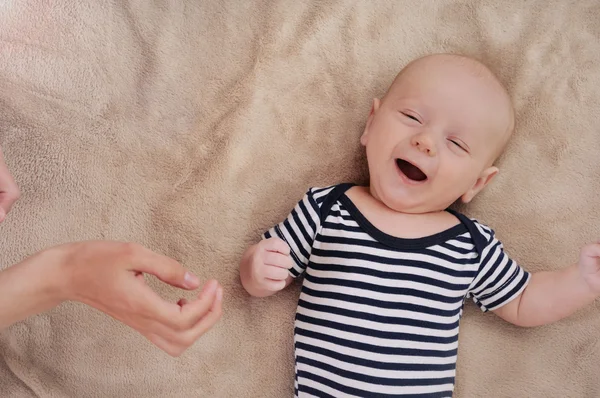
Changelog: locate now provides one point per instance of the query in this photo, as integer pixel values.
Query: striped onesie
(378, 316)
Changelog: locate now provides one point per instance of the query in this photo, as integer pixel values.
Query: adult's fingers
(7, 200)
(164, 268)
(148, 304)
(9, 191)
(192, 312)
(206, 322)
(170, 348)
(173, 316)
(175, 343)
(591, 250)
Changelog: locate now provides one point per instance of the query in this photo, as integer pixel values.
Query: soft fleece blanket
(192, 126)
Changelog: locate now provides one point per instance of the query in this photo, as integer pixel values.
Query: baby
(387, 267)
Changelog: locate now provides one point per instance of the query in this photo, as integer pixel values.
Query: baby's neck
(398, 224)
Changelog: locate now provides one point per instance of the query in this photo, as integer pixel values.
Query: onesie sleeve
(499, 278)
(300, 228)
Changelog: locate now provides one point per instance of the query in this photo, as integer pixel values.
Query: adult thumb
(179, 277)
(166, 269)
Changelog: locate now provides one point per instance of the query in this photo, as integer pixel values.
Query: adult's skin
(108, 276)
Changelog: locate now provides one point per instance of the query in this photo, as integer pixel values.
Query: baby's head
(433, 138)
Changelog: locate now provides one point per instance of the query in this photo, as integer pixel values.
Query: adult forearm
(29, 288)
(551, 296)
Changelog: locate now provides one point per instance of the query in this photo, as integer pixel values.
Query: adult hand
(9, 191)
(589, 266)
(109, 276)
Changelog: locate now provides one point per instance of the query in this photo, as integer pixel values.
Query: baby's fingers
(274, 286)
(277, 245)
(276, 273)
(278, 260)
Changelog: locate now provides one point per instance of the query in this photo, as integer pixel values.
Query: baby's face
(434, 136)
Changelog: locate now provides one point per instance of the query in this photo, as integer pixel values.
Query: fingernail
(208, 289)
(220, 294)
(211, 286)
(190, 280)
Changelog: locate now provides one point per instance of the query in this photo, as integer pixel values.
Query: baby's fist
(269, 265)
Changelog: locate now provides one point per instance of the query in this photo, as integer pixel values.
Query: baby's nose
(424, 145)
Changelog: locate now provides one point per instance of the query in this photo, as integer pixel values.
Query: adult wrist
(57, 275)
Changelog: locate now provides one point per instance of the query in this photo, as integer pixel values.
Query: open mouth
(411, 171)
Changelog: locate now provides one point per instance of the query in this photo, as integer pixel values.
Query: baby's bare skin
(447, 116)
(430, 141)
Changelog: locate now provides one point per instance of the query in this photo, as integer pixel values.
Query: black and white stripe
(377, 315)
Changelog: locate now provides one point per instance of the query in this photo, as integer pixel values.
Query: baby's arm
(551, 296)
(272, 264)
(264, 268)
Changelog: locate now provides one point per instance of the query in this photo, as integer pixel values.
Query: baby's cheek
(455, 180)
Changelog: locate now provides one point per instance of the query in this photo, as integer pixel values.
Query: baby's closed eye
(411, 116)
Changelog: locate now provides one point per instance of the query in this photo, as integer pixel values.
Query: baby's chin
(400, 196)
(412, 203)
(418, 208)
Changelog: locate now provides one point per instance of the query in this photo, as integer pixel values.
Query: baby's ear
(484, 179)
(365, 135)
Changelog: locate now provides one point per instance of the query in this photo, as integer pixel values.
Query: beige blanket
(191, 126)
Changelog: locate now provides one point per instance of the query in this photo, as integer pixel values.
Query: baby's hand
(589, 266)
(269, 264)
